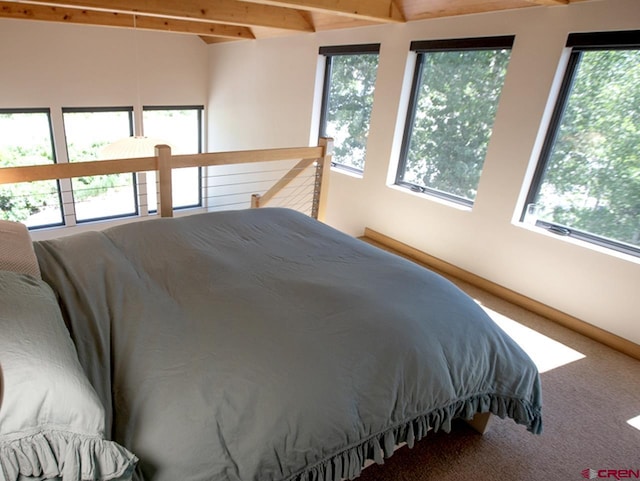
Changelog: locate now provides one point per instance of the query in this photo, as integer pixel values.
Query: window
(587, 182)
(181, 128)
(349, 83)
(454, 98)
(87, 131)
(26, 138)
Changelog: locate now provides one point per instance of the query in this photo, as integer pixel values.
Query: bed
(252, 345)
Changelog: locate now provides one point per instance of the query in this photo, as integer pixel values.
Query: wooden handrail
(245, 156)
(32, 173)
(164, 162)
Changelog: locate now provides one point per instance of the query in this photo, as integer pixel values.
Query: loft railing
(317, 158)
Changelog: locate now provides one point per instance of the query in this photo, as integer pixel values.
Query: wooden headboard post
(163, 153)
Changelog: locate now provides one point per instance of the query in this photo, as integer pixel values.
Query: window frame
(200, 114)
(47, 112)
(329, 52)
(579, 43)
(130, 112)
(420, 48)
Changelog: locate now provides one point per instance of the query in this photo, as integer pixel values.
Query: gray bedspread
(264, 345)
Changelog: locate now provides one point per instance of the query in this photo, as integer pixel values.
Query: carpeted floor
(588, 401)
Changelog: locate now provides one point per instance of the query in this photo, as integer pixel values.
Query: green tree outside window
(455, 98)
(592, 177)
(347, 106)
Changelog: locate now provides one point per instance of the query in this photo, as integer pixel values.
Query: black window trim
(329, 52)
(604, 40)
(200, 111)
(579, 43)
(364, 48)
(47, 111)
(420, 47)
(456, 44)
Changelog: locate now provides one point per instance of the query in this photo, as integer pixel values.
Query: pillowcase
(51, 420)
(16, 249)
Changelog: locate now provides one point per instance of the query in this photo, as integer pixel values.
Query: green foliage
(86, 188)
(592, 181)
(19, 201)
(353, 79)
(456, 105)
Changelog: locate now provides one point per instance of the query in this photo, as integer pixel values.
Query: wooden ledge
(597, 334)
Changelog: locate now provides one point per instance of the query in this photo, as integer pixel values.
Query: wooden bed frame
(318, 157)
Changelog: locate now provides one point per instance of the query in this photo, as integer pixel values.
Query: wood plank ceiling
(232, 20)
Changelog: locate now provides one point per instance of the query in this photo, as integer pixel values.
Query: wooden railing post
(323, 170)
(165, 204)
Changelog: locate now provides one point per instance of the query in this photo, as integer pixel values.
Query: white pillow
(16, 249)
(51, 420)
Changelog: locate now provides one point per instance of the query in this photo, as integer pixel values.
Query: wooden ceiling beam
(550, 2)
(374, 10)
(230, 12)
(212, 40)
(89, 17)
(203, 29)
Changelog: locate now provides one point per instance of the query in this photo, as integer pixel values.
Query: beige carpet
(588, 401)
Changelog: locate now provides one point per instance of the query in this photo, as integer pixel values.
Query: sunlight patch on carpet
(546, 353)
(635, 422)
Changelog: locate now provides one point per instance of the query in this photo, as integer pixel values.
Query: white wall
(57, 65)
(264, 94)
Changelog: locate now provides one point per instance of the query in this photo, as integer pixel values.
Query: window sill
(54, 232)
(431, 197)
(578, 242)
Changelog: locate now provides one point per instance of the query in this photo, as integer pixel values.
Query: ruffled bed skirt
(348, 463)
(70, 456)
